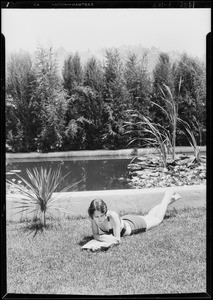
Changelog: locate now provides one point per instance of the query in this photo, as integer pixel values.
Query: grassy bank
(170, 258)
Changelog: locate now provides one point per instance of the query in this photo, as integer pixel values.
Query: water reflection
(101, 174)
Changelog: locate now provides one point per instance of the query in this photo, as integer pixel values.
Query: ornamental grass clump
(192, 140)
(39, 193)
(171, 112)
(159, 139)
(157, 136)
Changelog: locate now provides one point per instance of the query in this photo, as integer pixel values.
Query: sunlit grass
(170, 258)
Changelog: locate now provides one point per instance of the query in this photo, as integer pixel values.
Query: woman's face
(99, 217)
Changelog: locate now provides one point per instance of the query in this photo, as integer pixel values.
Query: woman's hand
(94, 248)
(108, 239)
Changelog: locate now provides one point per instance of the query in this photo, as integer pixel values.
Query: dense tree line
(87, 106)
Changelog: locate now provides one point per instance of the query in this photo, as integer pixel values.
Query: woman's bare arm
(102, 237)
(116, 225)
(95, 231)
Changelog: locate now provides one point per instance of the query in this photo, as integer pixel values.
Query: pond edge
(97, 153)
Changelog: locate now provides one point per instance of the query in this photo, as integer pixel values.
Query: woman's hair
(97, 204)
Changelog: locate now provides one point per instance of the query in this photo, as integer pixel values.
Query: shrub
(38, 193)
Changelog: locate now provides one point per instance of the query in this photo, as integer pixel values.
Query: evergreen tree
(116, 99)
(138, 84)
(163, 73)
(93, 75)
(72, 73)
(192, 102)
(49, 101)
(163, 76)
(85, 120)
(19, 114)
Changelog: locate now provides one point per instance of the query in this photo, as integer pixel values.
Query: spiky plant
(191, 138)
(170, 110)
(38, 192)
(172, 113)
(159, 139)
(158, 136)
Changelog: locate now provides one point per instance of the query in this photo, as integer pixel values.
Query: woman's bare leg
(157, 213)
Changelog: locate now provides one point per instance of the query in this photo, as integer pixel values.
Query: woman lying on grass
(108, 226)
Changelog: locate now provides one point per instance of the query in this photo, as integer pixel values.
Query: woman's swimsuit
(110, 231)
(137, 223)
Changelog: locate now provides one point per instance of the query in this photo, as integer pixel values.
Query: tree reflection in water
(107, 174)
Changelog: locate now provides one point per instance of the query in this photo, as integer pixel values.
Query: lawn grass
(170, 258)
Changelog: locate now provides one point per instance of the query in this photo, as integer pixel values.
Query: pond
(98, 174)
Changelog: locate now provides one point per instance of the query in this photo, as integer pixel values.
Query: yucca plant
(38, 192)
